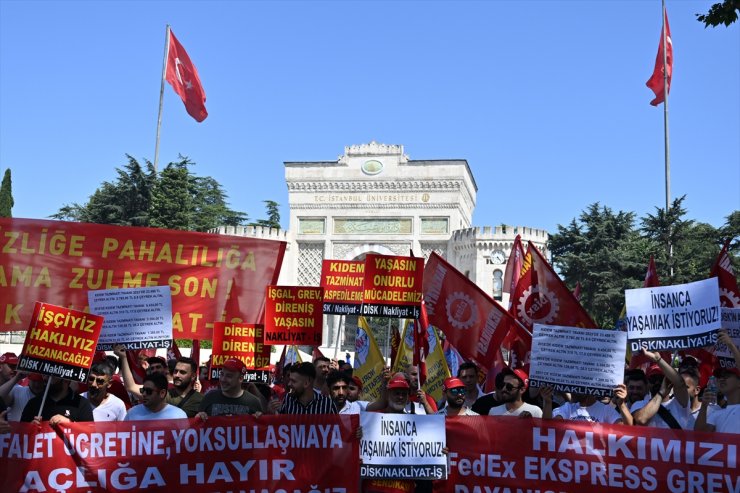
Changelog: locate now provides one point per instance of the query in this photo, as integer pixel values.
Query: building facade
(374, 199)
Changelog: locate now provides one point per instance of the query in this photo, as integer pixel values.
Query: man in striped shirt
(302, 398)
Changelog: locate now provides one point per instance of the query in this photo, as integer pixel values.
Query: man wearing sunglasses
(454, 393)
(154, 396)
(106, 406)
(511, 393)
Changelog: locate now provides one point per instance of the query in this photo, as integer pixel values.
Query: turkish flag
(655, 82)
(183, 77)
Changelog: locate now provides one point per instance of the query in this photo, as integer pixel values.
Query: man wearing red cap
(511, 393)
(231, 399)
(8, 362)
(454, 393)
(354, 389)
(16, 396)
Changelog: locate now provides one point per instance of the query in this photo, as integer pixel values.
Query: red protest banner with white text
(580, 457)
(296, 454)
(60, 342)
(245, 342)
(392, 286)
(342, 283)
(211, 277)
(293, 315)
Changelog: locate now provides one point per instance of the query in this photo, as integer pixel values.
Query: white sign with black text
(139, 318)
(581, 361)
(403, 446)
(731, 323)
(668, 318)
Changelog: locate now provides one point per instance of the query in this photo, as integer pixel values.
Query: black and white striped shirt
(320, 404)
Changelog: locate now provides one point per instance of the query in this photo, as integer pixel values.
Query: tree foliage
(175, 198)
(273, 215)
(720, 13)
(6, 195)
(607, 253)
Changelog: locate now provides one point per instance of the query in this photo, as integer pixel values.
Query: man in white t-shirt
(727, 419)
(17, 396)
(588, 408)
(511, 393)
(106, 407)
(154, 395)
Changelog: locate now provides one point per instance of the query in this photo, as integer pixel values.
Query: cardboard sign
(581, 361)
(139, 318)
(392, 286)
(342, 283)
(731, 323)
(293, 315)
(244, 342)
(212, 277)
(667, 318)
(60, 342)
(403, 446)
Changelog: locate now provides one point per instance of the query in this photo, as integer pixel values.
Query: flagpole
(665, 136)
(161, 94)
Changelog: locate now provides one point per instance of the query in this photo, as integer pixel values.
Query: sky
(546, 100)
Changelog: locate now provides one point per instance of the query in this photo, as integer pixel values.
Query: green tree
(720, 13)
(604, 252)
(209, 206)
(172, 198)
(273, 215)
(6, 196)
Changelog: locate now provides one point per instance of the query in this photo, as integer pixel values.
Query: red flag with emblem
(729, 294)
(421, 344)
(514, 266)
(183, 77)
(656, 81)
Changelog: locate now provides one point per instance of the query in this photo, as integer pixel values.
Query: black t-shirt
(72, 406)
(484, 404)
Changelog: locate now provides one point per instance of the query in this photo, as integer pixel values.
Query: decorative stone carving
(310, 256)
(438, 248)
(372, 149)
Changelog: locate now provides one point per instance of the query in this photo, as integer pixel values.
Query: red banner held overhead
(392, 286)
(60, 342)
(272, 453)
(293, 315)
(208, 274)
(342, 283)
(472, 321)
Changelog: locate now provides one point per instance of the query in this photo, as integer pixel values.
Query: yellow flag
(369, 362)
(437, 369)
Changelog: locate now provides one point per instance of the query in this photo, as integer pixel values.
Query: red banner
(510, 454)
(273, 453)
(211, 277)
(60, 342)
(392, 286)
(342, 283)
(473, 323)
(245, 342)
(294, 315)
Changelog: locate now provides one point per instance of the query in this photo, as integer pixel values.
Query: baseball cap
(35, 377)
(398, 383)
(654, 370)
(233, 364)
(453, 383)
(518, 373)
(718, 372)
(157, 359)
(9, 359)
(357, 381)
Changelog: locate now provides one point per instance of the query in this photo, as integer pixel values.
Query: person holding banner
(154, 395)
(454, 393)
(183, 393)
(231, 399)
(354, 389)
(587, 408)
(727, 419)
(511, 393)
(302, 398)
(338, 383)
(16, 396)
(61, 405)
(106, 406)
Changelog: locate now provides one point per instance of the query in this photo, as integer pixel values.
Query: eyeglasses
(99, 380)
(147, 390)
(508, 387)
(457, 391)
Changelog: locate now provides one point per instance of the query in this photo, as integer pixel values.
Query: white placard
(572, 359)
(139, 318)
(403, 446)
(667, 318)
(731, 323)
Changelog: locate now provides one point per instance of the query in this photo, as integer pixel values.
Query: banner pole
(161, 95)
(43, 399)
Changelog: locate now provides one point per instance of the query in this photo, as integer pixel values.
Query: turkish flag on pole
(183, 77)
(656, 82)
